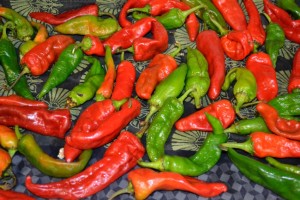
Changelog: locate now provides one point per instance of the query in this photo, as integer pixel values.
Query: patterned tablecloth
(239, 187)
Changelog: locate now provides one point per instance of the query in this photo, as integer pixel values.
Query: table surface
(239, 187)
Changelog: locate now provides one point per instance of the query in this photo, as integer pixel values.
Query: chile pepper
(286, 104)
(5, 161)
(48, 165)
(143, 182)
(15, 100)
(294, 80)
(202, 161)
(209, 44)
(197, 75)
(232, 13)
(291, 6)
(67, 61)
(286, 167)
(120, 157)
(192, 25)
(247, 126)
(11, 67)
(275, 39)
(13, 195)
(87, 90)
(222, 109)
(89, 120)
(262, 144)
(40, 120)
(157, 70)
(104, 132)
(23, 27)
(106, 88)
(245, 87)
(285, 184)
(260, 64)
(8, 139)
(277, 125)
(52, 19)
(92, 45)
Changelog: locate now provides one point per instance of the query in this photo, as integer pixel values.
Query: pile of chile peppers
(273, 134)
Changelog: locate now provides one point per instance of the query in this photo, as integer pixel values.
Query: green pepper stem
(25, 70)
(241, 99)
(250, 104)
(176, 51)
(184, 96)
(246, 146)
(5, 27)
(128, 190)
(285, 167)
(146, 9)
(190, 11)
(118, 104)
(218, 25)
(158, 164)
(267, 16)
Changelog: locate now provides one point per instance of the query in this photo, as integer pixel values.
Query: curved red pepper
(105, 132)
(92, 45)
(65, 16)
(209, 43)
(260, 64)
(192, 26)
(222, 109)
(294, 81)
(15, 100)
(121, 156)
(13, 195)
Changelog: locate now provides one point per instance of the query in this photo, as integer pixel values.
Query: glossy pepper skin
(52, 19)
(87, 90)
(66, 63)
(260, 64)
(248, 126)
(120, 157)
(5, 161)
(8, 139)
(104, 132)
(294, 80)
(245, 87)
(23, 27)
(277, 125)
(16, 100)
(209, 44)
(262, 144)
(222, 110)
(291, 6)
(197, 75)
(286, 104)
(285, 184)
(48, 165)
(92, 45)
(13, 195)
(11, 67)
(232, 13)
(143, 182)
(286, 167)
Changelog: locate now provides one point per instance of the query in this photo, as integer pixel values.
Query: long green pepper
(291, 6)
(197, 75)
(87, 90)
(287, 105)
(11, 67)
(68, 60)
(248, 126)
(286, 167)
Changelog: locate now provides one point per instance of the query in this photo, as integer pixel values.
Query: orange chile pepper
(8, 138)
(277, 125)
(5, 161)
(145, 181)
(294, 81)
(13, 195)
(260, 64)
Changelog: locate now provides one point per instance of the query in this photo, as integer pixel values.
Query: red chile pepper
(237, 44)
(124, 81)
(13, 195)
(232, 13)
(192, 26)
(144, 181)
(40, 120)
(65, 16)
(294, 81)
(120, 157)
(157, 70)
(15, 100)
(124, 38)
(260, 64)
(92, 45)
(8, 139)
(222, 109)
(105, 132)
(277, 125)
(208, 43)
(262, 144)
(5, 161)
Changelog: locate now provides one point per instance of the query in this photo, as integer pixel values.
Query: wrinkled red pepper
(209, 43)
(121, 156)
(105, 132)
(65, 16)
(222, 109)
(260, 64)
(92, 45)
(277, 125)
(13, 195)
(294, 81)
(16, 100)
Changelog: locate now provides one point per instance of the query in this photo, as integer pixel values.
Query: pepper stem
(246, 146)
(146, 9)
(241, 99)
(176, 51)
(184, 96)
(190, 11)
(129, 189)
(23, 72)
(231, 129)
(218, 25)
(267, 16)
(5, 27)
(118, 104)
(158, 164)
(145, 123)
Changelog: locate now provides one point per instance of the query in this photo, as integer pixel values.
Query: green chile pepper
(285, 184)
(68, 60)
(87, 90)
(286, 167)
(291, 6)
(47, 164)
(89, 25)
(197, 75)
(287, 104)
(11, 67)
(245, 87)
(248, 126)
